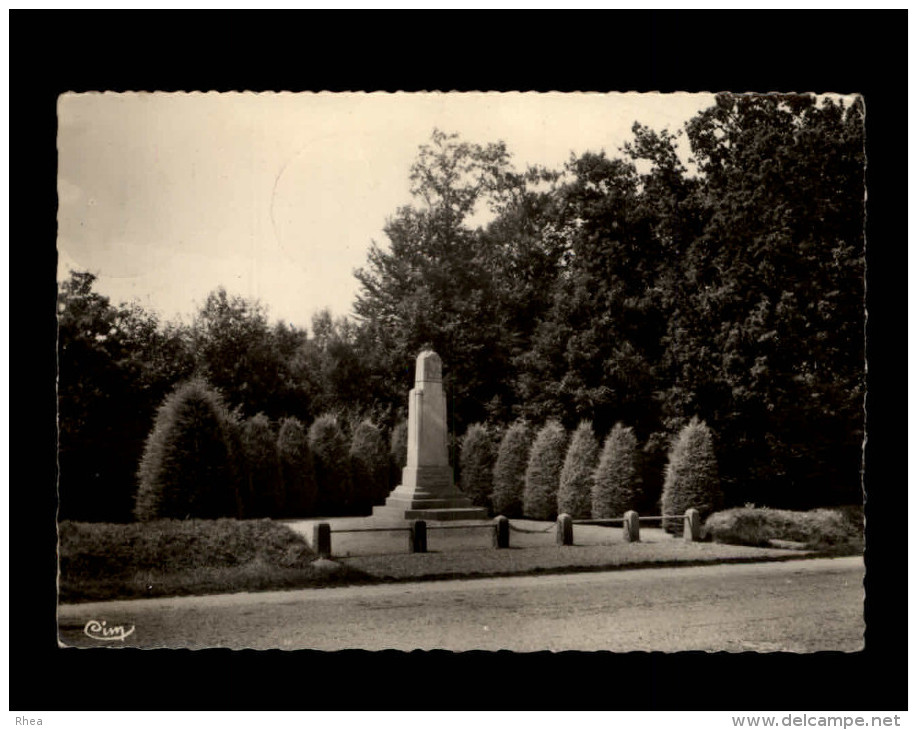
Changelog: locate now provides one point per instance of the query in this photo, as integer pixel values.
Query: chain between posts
(532, 532)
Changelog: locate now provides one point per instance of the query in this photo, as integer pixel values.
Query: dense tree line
(642, 288)
(635, 289)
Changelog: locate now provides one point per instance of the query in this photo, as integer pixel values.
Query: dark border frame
(844, 52)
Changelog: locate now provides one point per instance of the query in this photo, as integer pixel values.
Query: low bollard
(501, 532)
(631, 526)
(418, 536)
(321, 539)
(564, 529)
(692, 525)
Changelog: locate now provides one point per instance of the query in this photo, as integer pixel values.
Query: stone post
(564, 529)
(321, 539)
(631, 526)
(501, 532)
(418, 536)
(692, 525)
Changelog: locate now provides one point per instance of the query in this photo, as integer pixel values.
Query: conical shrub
(542, 475)
(331, 459)
(186, 469)
(574, 495)
(297, 468)
(369, 464)
(263, 494)
(691, 476)
(476, 465)
(509, 470)
(616, 484)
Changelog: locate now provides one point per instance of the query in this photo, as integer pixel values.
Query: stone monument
(427, 491)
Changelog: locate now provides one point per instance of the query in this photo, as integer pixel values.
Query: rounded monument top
(429, 367)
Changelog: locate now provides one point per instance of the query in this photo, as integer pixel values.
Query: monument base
(427, 493)
(439, 514)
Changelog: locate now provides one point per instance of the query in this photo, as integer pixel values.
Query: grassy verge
(554, 559)
(832, 530)
(100, 561)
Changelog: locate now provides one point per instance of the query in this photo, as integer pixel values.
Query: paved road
(797, 606)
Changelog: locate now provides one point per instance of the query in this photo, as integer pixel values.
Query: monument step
(432, 515)
(403, 491)
(421, 503)
(444, 515)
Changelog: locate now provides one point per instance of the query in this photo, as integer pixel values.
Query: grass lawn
(483, 562)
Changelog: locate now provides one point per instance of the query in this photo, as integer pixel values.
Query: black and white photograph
(462, 371)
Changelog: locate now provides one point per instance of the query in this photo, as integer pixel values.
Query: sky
(278, 197)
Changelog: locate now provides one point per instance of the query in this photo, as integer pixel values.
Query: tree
(331, 458)
(476, 465)
(369, 459)
(115, 366)
(90, 389)
(521, 249)
(432, 285)
(593, 353)
(335, 364)
(542, 474)
(617, 479)
(264, 494)
(186, 469)
(509, 470)
(296, 467)
(692, 478)
(766, 336)
(251, 363)
(574, 495)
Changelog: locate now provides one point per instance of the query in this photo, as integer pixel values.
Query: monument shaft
(427, 432)
(427, 490)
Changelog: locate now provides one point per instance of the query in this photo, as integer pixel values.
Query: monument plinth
(427, 491)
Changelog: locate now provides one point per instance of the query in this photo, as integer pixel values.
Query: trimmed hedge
(103, 562)
(757, 526)
(89, 549)
(297, 468)
(509, 470)
(691, 476)
(476, 465)
(574, 495)
(187, 466)
(369, 463)
(263, 493)
(616, 487)
(542, 475)
(331, 459)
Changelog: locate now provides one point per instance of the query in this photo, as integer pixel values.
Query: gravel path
(799, 606)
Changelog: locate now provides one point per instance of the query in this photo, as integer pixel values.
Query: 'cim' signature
(101, 631)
